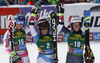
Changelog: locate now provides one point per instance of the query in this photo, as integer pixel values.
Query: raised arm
(60, 22)
(34, 18)
(65, 30)
(34, 33)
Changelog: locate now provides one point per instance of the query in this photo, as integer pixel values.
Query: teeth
(44, 31)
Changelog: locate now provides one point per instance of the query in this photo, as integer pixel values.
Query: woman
(19, 54)
(43, 41)
(76, 41)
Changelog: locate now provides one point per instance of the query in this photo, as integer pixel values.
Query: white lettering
(4, 22)
(45, 14)
(29, 16)
(97, 36)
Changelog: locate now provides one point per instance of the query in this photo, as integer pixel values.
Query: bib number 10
(77, 44)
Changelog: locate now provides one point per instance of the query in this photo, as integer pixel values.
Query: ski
(10, 29)
(89, 58)
(53, 18)
(87, 26)
(11, 33)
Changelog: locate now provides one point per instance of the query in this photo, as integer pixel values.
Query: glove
(89, 58)
(60, 13)
(35, 10)
(14, 57)
(32, 22)
(60, 9)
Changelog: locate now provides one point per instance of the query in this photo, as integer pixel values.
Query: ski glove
(15, 57)
(32, 22)
(35, 9)
(89, 58)
(60, 9)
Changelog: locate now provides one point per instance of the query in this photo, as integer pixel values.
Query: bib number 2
(48, 45)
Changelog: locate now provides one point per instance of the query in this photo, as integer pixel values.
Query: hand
(60, 8)
(15, 57)
(89, 58)
(60, 14)
(32, 22)
(36, 8)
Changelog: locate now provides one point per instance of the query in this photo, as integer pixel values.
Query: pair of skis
(53, 18)
(87, 45)
(11, 34)
(89, 57)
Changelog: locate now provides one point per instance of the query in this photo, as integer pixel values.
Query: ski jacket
(44, 43)
(19, 42)
(76, 41)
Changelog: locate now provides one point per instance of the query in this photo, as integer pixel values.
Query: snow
(62, 52)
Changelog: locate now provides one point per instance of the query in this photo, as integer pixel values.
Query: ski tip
(84, 12)
(87, 12)
(52, 15)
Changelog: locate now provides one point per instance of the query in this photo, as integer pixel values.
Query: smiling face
(44, 32)
(19, 26)
(76, 26)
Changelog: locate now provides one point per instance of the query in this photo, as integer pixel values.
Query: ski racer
(42, 37)
(76, 42)
(43, 40)
(19, 53)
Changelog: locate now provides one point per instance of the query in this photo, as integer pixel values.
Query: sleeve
(34, 34)
(65, 30)
(26, 29)
(59, 28)
(6, 42)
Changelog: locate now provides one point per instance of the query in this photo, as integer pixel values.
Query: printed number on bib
(21, 42)
(77, 44)
(48, 45)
